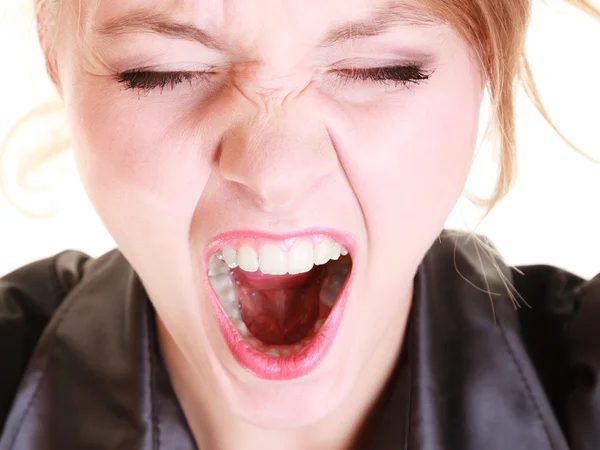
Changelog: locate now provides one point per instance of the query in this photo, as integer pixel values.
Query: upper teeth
(273, 260)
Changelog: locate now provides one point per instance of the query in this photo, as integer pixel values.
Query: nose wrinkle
(274, 93)
(278, 157)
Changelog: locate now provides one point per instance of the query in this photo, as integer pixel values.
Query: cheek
(142, 162)
(408, 158)
(420, 149)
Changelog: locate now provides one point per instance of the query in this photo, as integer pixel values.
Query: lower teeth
(227, 291)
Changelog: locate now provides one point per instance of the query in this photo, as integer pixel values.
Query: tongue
(280, 316)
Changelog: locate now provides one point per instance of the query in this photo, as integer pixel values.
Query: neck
(213, 426)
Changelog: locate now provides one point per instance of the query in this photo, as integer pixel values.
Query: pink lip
(256, 362)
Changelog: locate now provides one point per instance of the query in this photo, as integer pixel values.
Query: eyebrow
(147, 20)
(383, 19)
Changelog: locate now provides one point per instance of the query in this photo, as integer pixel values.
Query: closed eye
(146, 80)
(405, 75)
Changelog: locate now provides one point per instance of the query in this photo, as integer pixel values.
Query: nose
(277, 156)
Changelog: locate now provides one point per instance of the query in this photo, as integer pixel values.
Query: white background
(551, 216)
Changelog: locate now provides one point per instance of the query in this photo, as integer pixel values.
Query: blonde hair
(496, 31)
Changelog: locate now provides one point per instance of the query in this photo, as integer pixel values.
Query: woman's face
(267, 127)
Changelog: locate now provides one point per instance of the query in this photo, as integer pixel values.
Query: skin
(271, 144)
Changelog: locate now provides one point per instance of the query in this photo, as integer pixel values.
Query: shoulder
(561, 330)
(549, 302)
(544, 288)
(555, 319)
(557, 303)
(29, 297)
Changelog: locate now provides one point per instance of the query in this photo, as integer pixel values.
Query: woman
(277, 176)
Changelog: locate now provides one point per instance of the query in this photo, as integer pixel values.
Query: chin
(287, 405)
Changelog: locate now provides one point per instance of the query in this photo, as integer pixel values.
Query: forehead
(220, 10)
(265, 17)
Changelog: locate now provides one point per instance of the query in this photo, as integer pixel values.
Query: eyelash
(147, 81)
(404, 75)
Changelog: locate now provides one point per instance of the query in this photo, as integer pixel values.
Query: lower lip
(282, 368)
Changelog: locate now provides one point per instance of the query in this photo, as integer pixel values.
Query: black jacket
(80, 367)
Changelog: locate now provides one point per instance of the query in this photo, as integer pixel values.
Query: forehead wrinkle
(162, 20)
(157, 22)
(106, 11)
(383, 18)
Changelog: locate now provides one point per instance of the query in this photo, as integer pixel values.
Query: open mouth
(279, 296)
